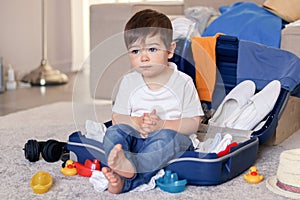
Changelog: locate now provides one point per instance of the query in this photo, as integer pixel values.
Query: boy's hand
(138, 124)
(151, 122)
(142, 124)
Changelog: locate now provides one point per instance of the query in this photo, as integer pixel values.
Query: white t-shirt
(175, 100)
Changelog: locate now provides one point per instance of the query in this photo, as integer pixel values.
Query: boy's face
(150, 57)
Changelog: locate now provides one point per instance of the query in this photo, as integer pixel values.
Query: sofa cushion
(290, 37)
(288, 10)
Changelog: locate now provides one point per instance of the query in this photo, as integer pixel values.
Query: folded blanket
(247, 21)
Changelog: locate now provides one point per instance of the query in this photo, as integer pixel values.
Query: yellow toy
(253, 176)
(69, 169)
(41, 182)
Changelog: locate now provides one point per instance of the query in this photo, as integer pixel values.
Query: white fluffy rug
(58, 121)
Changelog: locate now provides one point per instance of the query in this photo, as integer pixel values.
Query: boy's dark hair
(148, 22)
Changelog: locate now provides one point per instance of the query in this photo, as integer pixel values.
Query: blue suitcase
(202, 168)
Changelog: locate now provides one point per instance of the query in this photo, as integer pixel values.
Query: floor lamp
(45, 74)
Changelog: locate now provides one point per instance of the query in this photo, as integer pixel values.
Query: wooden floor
(29, 97)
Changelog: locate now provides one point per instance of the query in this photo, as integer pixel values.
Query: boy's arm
(186, 126)
(134, 122)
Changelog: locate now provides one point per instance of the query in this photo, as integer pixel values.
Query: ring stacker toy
(69, 169)
(88, 167)
(170, 183)
(41, 182)
(253, 176)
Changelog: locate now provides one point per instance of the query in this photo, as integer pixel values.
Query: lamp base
(45, 75)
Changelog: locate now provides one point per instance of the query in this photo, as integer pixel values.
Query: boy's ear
(171, 50)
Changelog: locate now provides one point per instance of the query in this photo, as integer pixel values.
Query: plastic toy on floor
(69, 168)
(170, 183)
(253, 176)
(88, 167)
(41, 182)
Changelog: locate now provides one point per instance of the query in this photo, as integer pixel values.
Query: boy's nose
(144, 56)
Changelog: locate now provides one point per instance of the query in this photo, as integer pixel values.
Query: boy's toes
(105, 170)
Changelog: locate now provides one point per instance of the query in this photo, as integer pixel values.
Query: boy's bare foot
(115, 183)
(118, 162)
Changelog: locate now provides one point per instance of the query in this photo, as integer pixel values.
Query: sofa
(108, 59)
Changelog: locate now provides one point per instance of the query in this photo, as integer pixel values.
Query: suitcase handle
(227, 165)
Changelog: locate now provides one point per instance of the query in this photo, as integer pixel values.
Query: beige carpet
(58, 120)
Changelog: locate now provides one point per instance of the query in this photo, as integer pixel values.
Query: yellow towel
(204, 54)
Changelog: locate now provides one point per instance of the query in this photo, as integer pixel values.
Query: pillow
(288, 10)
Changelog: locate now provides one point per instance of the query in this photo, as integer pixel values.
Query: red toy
(88, 167)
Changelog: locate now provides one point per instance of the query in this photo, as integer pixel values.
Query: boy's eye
(138, 51)
(134, 51)
(153, 49)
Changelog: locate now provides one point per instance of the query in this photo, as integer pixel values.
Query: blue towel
(263, 64)
(247, 21)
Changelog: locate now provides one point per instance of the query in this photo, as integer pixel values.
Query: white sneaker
(233, 102)
(257, 108)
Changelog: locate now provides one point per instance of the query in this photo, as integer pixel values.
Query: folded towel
(151, 185)
(201, 15)
(182, 28)
(204, 54)
(100, 182)
(95, 130)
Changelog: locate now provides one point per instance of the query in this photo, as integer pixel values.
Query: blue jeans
(148, 155)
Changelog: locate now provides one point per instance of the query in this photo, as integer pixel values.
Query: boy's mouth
(145, 67)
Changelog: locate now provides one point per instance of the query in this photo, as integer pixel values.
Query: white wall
(80, 33)
(20, 34)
